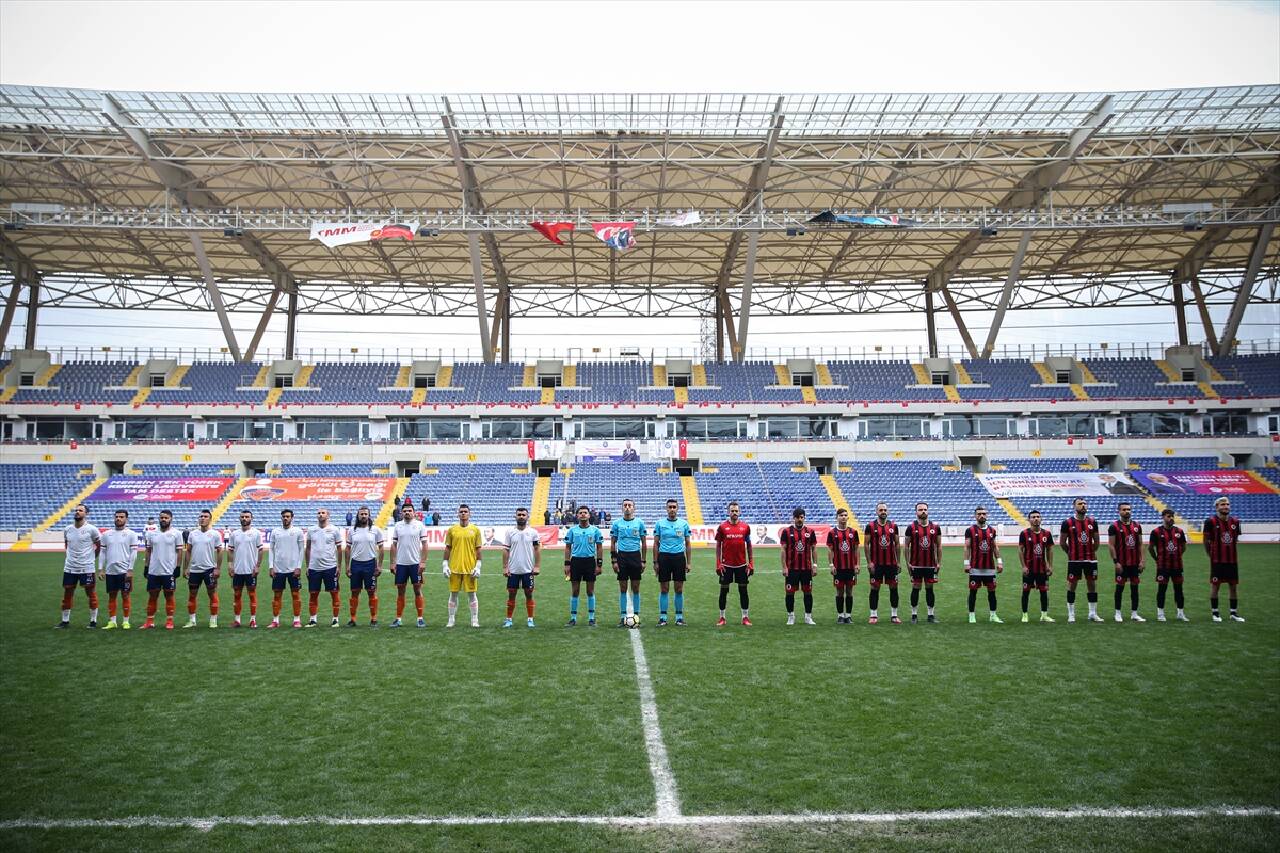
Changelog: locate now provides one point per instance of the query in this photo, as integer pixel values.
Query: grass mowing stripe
(665, 793)
(940, 815)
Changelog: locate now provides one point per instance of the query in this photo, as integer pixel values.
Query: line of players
(326, 550)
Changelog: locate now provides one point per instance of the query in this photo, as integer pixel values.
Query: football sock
(724, 598)
(991, 599)
(1133, 596)
(662, 604)
(253, 603)
(1093, 603)
(453, 605)
(875, 597)
(335, 601)
(373, 606)
(915, 598)
(928, 597)
(679, 604)
(191, 604)
(893, 597)
(474, 606)
(297, 603)
(213, 604)
(418, 603)
(1119, 595)
(1235, 605)
(1026, 598)
(743, 599)
(66, 614)
(528, 607)
(353, 603)
(1161, 592)
(573, 606)
(1071, 596)
(622, 603)
(973, 599)
(235, 606)
(635, 603)
(93, 614)
(111, 605)
(276, 597)
(591, 607)
(808, 602)
(313, 603)
(1177, 595)
(400, 603)
(168, 603)
(791, 602)
(151, 603)
(839, 603)
(1213, 605)
(511, 606)
(126, 604)
(1044, 601)
(68, 596)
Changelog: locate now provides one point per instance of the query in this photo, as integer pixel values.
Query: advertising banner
(609, 450)
(1217, 482)
(334, 234)
(370, 490)
(208, 489)
(1063, 485)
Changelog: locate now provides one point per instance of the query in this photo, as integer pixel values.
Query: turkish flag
(551, 230)
(684, 448)
(529, 446)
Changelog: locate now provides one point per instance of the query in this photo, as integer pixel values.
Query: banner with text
(370, 490)
(1218, 482)
(609, 450)
(1063, 484)
(209, 489)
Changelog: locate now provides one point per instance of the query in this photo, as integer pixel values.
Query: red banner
(372, 490)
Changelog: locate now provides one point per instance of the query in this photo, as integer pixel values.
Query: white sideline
(675, 820)
(664, 783)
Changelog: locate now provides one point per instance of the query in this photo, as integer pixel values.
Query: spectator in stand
(350, 518)
(546, 518)
(426, 503)
(435, 518)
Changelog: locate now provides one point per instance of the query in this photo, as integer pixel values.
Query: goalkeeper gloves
(475, 573)
(445, 568)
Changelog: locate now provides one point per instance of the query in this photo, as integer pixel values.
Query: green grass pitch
(766, 720)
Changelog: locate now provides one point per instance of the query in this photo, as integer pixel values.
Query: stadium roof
(168, 200)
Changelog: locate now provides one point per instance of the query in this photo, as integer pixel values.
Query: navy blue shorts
(328, 578)
(76, 579)
(582, 569)
(408, 574)
(278, 581)
(198, 579)
(363, 575)
(520, 581)
(165, 582)
(119, 583)
(242, 581)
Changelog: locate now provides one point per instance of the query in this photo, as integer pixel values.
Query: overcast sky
(651, 47)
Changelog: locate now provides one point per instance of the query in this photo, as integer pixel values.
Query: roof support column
(1210, 337)
(719, 314)
(33, 305)
(1180, 311)
(261, 329)
(744, 310)
(1006, 295)
(215, 295)
(291, 325)
(959, 321)
(1228, 339)
(10, 308)
(477, 275)
(931, 327)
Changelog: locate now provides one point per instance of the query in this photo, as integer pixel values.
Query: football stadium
(724, 593)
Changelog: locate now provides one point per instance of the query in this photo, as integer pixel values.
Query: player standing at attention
(165, 551)
(882, 552)
(409, 545)
(1168, 544)
(842, 548)
(735, 562)
(325, 547)
(244, 553)
(521, 562)
(583, 561)
(1124, 540)
(1035, 552)
(284, 566)
(364, 564)
(83, 543)
(628, 552)
(671, 538)
(1079, 538)
(204, 565)
(982, 561)
(462, 544)
(1221, 536)
(924, 560)
(797, 545)
(118, 554)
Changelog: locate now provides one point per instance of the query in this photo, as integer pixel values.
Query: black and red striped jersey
(922, 539)
(1128, 541)
(1221, 537)
(844, 548)
(798, 545)
(1036, 546)
(1080, 538)
(982, 551)
(1169, 543)
(882, 543)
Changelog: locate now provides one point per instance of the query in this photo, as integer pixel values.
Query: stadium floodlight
(988, 231)
(232, 232)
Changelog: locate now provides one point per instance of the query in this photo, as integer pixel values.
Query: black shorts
(242, 581)
(798, 580)
(672, 567)
(975, 581)
(1077, 569)
(328, 578)
(923, 574)
(75, 579)
(278, 581)
(1224, 572)
(1127, 573)
(198, 579)
(884, 574)
(524, 581)
(1035, 580)
(119, 583)
(846, 577)
(734, 574)
(164, 582)
(582, 569)
(628, 566)
(1166, 575)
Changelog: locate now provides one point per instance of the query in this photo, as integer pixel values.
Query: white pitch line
(654, 821)
(664, 783)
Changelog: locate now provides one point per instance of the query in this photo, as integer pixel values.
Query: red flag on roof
(551, 230)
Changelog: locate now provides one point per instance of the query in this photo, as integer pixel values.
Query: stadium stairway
(808, 394)
(699, 377)
(444, 379)
(570, 375)
(838, 499)
(692, 503)
(174, 380)
(783, 374)
(24, 543)
(962, 375)
(1086, 373)
(541, 499)
(403, 376)
(303, 378)
(273, 397)
(1167, 369)
(1207, 390)
(1160, 506)
(531, 376)
(45, 375)
(1078, 390)
(134, 377)
(824, 375)
(1013, 511)
(922, 375)
(548, 396)
(220, 508)
(140, 397)
(659, 375)
(260, 381)
(389, 505)
(953, 396)
(419, 396)
(1046, 377)
(8, 394)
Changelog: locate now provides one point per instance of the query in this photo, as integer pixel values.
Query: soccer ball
(631, 621)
